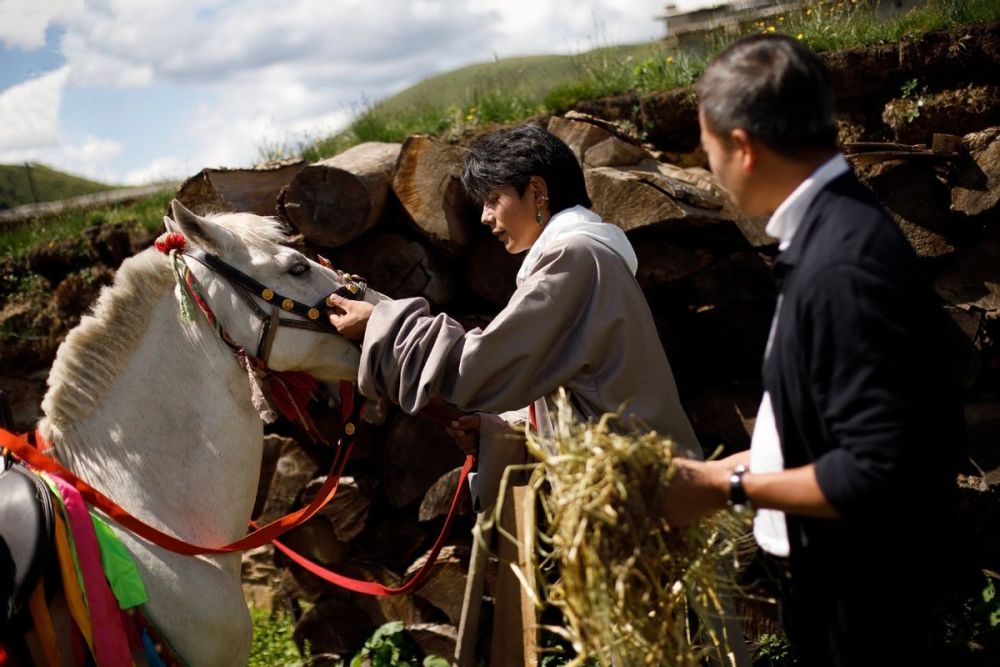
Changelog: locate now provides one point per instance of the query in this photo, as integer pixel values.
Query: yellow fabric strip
(43, 626)
(71, 585)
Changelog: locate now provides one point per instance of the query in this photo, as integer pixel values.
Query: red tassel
(170, 241)
(291, 391)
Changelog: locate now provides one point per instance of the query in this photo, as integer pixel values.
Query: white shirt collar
(788, 217)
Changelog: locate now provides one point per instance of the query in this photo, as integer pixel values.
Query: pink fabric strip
(110, 640)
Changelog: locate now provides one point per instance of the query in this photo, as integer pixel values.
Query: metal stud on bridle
(249, 289)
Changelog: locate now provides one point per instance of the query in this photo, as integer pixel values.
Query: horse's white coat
(155, 411)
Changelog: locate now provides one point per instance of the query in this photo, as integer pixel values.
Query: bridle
(249, 289)
(354, 288)
(289, 391)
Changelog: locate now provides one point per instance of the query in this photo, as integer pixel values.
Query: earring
(539, 200)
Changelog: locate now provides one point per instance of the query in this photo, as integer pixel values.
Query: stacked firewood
(397, 214)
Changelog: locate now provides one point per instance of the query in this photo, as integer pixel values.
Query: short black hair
(775, 89)
(513, 156)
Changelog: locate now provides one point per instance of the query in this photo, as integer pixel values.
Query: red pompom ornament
(170, 241)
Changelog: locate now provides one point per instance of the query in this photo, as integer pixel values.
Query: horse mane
(97, 350)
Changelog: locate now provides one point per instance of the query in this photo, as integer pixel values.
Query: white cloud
(23, 22)
(91, 157)
(278, 72)
(29, 112)
(91, 150)
(160, 169)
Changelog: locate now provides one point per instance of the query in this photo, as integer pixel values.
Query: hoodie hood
(578, 221)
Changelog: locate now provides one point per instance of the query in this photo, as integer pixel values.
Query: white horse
(154, 410)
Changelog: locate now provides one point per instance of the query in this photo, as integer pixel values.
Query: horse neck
(176, 441)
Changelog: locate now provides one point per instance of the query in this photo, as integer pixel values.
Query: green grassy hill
(510, 90)
(492, 92)
(534, 76)
(49, 185)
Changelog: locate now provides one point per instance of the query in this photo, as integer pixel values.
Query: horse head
(289, 338)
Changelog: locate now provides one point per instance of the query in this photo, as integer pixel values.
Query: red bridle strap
(375, 588)
(25, 451)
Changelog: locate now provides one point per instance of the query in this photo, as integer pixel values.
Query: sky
(134, 91)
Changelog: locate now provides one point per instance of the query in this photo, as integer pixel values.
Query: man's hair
(513, 156)
(775, 89)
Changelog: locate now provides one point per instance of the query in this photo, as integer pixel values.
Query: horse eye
(299, 269)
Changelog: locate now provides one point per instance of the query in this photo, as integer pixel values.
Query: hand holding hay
(624, 579)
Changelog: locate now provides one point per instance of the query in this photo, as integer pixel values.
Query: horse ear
(197, 229)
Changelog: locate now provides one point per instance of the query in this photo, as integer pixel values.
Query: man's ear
(747, 149)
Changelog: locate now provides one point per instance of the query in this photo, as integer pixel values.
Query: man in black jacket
(858, 439)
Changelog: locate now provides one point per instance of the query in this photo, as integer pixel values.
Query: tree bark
(437, 500)
(445, 585)
(338, 199)
(382, 609)
(392, 542)
(492, 271)
(978, 192)
(428, 184)
(417, 453)
(613, 152)
(340, 639)
(577, 133)
(596, 142)
(637, 199)
(247, 190)
(292, 472)
(397, 267)
(661, 263)
(435, 638)
(347, 512)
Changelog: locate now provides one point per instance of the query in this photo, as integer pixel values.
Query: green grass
(16, 181)
(476, 96)
(390, 646)
(514, 89)
(842, 24)
(511, 90)
(142, 215)
(273, 645)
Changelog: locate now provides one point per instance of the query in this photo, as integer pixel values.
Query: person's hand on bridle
(349, 318)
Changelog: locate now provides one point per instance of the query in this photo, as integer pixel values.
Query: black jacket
(859, 384)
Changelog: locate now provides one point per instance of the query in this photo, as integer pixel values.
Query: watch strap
(737, 494)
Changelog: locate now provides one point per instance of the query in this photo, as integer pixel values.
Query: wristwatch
(738, 501)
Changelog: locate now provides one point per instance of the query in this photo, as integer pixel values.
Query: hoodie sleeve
(529, 350)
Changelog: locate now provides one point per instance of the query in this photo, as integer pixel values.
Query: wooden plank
(472, 603)
(514, 615)
(12, 217)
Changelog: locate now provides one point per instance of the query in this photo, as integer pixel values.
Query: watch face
(737, 494)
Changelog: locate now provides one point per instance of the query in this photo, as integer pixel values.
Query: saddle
(26, 531)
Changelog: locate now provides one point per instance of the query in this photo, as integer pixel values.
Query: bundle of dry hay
(624, 581)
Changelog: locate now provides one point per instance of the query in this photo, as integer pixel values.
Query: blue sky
(128, 91)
